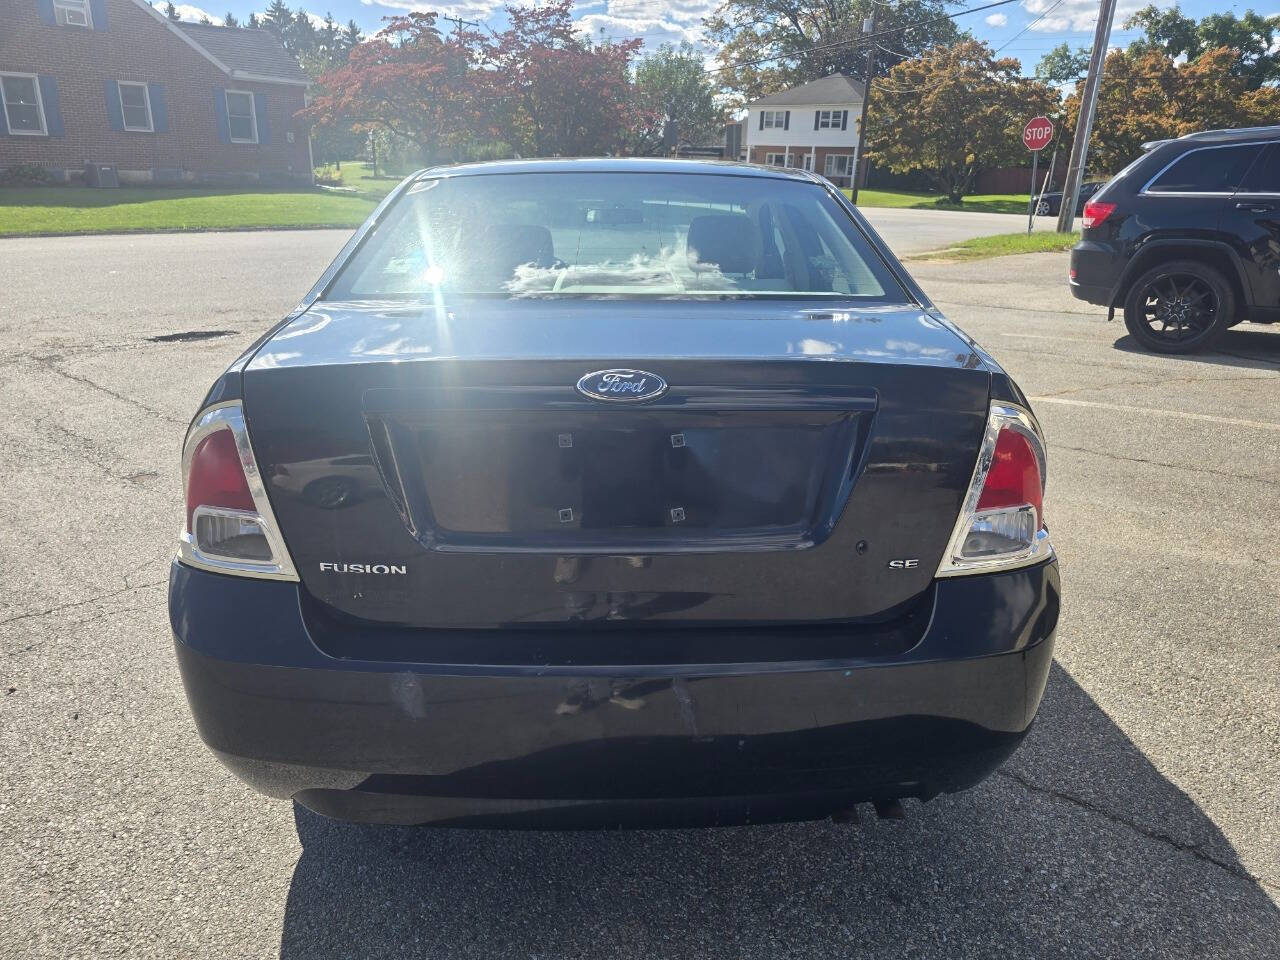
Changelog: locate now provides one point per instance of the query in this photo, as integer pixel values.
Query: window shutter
(159, 115)
(816, 115)
(98, 11)
(786, 120)
(761, 119)
(844, 119)
(52, 111)
(46, 13)
(260, 118)
(220, 112)
(115, 115)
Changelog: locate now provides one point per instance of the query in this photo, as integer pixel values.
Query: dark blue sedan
(613, 492)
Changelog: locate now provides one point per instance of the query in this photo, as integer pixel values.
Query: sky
(1025, 29)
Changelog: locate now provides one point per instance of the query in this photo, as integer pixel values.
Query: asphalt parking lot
(1140, 818)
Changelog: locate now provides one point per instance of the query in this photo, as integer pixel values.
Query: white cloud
(1080, 16)
(188, 12)
(681, 11)
(653, 31)
(654, 21)
(997, 20)
(477, 10)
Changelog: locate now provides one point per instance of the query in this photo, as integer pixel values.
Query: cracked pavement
(1139, 819)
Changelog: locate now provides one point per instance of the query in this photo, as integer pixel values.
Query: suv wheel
(1179, 307)
(1044, 208)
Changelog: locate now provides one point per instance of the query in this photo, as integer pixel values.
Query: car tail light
(1001, 525)
(1095, 213)
(229, 524)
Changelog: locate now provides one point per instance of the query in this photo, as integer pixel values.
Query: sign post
(1036, 135)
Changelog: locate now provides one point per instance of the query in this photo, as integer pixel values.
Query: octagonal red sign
(1037, 133)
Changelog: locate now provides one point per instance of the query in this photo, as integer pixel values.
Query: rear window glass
(616, 235)
(1211, 170)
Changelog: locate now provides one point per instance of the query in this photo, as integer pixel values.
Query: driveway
(1139, 819)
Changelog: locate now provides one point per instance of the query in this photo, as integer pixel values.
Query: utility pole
(860, 168)
(1088, 105)
(458, 22)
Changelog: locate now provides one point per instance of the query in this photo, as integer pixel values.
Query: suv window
(1207, 170)
(1265, 175)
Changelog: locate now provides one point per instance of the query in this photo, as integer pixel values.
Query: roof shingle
(837, 88)
(246, 49)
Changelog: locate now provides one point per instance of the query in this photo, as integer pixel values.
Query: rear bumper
(1095, 271)
(582, 746)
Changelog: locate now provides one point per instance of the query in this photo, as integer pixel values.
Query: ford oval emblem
(622, 385)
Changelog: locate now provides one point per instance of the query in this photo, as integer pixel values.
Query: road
(918, 231)
(1139, 819)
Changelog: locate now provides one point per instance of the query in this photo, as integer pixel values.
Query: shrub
(24, 175)
(328, 176)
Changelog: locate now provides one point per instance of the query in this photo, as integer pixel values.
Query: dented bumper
(559, 744)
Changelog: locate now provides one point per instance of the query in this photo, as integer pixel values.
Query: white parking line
(1229, 421)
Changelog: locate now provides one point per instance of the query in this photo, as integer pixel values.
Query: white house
(814, 126)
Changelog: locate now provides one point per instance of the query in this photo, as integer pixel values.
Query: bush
(25, 175)
(328, 176)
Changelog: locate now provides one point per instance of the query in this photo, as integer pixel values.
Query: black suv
(1186, 239)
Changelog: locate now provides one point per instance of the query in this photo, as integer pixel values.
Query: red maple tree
(538, 86)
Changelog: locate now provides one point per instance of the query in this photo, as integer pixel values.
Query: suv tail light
(229, 524)
(1095, 213)
(1001, 525)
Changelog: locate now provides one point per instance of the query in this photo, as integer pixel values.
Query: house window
(773, 119)
(838, 165)
(23, 109)
(775, 159)
(73, 13)
(242, 121)
(831, 119)
(135, 105)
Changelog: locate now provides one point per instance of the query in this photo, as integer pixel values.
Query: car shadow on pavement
(1251, 348)
(1077, 848)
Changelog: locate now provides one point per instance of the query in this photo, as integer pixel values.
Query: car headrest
(730, 241)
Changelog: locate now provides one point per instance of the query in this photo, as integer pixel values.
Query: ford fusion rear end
(601, 493)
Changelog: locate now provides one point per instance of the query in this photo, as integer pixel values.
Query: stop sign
(1037, 133)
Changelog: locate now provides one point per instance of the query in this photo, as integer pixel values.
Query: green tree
(672, 88)
(277, 18)
(1254, 37)
(954, 111)
(230, 20)
(1060, 65)
(171, 11)
(815, 38)
(1147, 95)
(351, 36)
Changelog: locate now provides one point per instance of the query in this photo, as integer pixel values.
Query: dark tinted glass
(616, 235)
(1264, 176)
(1209, 170)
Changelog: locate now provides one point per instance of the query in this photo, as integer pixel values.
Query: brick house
(814, 126)
(115, 82)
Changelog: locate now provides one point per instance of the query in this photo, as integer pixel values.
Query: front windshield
(619, 235)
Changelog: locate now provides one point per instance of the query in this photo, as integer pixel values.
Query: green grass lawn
(359, 175)
(1002, 245)
(46, 210)
(979, 202)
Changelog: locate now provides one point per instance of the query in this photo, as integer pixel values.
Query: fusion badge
(622, 385)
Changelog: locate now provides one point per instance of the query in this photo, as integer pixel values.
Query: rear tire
(1179, 307)
(1044, 208)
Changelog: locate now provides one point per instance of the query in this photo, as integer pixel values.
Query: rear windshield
(616, 235)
